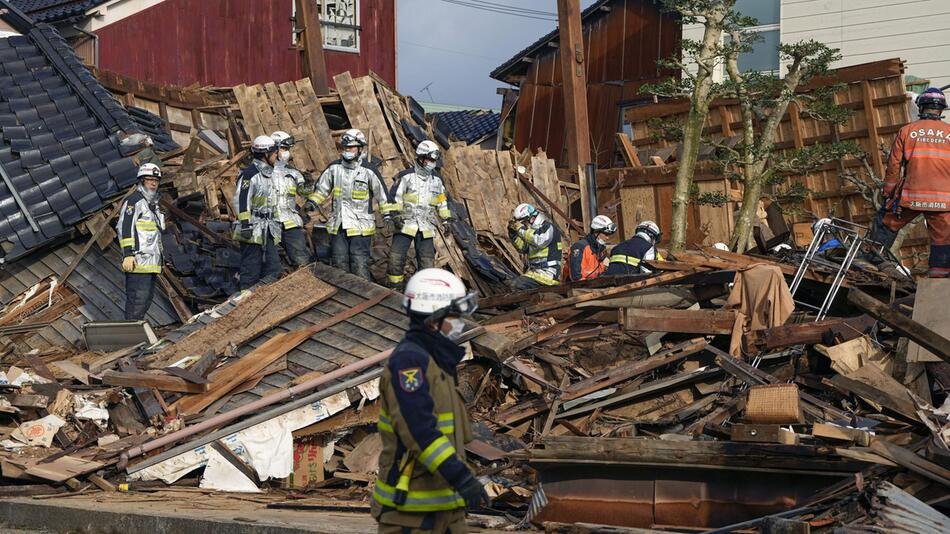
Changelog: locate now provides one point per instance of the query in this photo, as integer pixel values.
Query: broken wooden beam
(598, 294)
(713, 322)
(147, 380)
(924, 336)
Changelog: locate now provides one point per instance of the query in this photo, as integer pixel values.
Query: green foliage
(665, 130)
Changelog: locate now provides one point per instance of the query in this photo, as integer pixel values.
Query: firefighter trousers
(398, 252)
(447, 522)
(259, 261)
(351, 253)
(139, 290)
(294, 241)
(888, 223)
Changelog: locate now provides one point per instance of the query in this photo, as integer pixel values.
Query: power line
(521, 9)
(450, 51)
(503, 11)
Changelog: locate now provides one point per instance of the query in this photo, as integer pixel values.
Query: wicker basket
(774, 403)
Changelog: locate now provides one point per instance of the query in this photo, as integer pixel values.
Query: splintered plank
(313, 113)
(262, 103)
(277, 103)
(146, 380)
(254, 315)
(716, 322)
(252, 118)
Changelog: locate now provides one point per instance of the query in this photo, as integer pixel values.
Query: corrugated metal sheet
(98, 281)
(894, 511)
(230, 42)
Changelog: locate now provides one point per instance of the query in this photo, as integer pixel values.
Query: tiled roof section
(58, 142)
(502, 70)
(98, 281)
(55, 10)
(469, 126)
(153, 125)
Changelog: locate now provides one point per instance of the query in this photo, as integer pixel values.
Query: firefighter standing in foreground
(139, 230)
(257, 228)
(290, 184)
(917, 181)
(424, 482)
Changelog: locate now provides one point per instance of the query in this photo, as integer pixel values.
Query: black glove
(389, 223)
(310, 206)
(247, 232)
(474, 493)
(447, 224)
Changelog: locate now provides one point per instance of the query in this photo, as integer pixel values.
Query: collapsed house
(702, 396)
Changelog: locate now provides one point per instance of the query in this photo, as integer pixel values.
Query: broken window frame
(328, 27)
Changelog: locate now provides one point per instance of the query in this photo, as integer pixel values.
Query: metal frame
(851, 236)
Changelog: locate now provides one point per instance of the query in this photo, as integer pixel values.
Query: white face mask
(456, 327)
(284, 156)
(429, 166)
(602, 242)
(350, 156)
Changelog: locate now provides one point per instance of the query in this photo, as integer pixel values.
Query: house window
(765, 56)
(339, 23)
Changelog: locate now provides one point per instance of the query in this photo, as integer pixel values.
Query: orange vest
(922, 150)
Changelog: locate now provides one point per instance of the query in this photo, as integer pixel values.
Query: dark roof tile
(470, 125)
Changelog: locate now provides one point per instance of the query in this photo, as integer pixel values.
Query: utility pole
(574, 74)
(312, 61)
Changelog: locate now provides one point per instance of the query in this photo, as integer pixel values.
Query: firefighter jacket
(140, 228)
(354, 187)
(922, 151)
(290, 184)
(418, 196)
(424, 426)
(256, 201)
(541, 241)
(626, 257)
(586, 259)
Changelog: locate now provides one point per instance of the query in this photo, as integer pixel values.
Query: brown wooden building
(623, 39)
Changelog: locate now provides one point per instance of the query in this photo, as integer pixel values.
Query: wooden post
(312, 62)
(574, 73)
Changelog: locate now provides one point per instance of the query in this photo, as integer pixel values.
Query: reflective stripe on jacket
(289, 183)
(419, 196)
(424, 426)
(920, 156)
(255, 198)
(354, 187)
(626, 257)
(139, 230)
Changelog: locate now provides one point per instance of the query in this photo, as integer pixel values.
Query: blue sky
(454, 47)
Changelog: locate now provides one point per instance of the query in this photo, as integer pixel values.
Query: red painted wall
(230, 42)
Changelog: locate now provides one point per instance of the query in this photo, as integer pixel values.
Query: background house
(864, 30)
(220, 42)
(622, 41)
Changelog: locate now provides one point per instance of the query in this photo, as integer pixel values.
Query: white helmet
(263, 144)
(651, 229)
(283, 139)
(524, 211)
(436, 290)
(602, 224)
(819, 223)
(721, 246)
(353, 137)
(429, 150)
(149, 170)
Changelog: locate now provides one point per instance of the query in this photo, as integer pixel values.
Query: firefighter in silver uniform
(290, 184)
(139, 230)
(354, 186)
(257, 229)
(419, 202)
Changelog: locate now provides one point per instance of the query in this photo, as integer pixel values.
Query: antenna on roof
(426, 89)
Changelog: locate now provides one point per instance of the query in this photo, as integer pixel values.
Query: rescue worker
(586, 259)
(424, 481)
(419, 201)
(537, 237)
(139, 229)
(354, 187)
(290, 184)
(626, 257)
(257, 228)
(147, 154)
(917, 181)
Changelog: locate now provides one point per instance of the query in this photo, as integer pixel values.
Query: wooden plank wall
(621, 45)
(875, 92)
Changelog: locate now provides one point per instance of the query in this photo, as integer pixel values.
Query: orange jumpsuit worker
(586, 260)
(922, 151)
